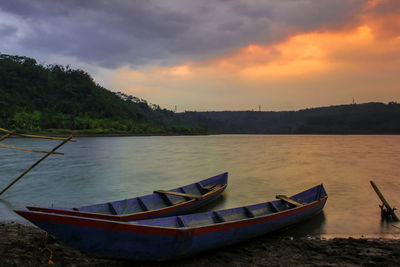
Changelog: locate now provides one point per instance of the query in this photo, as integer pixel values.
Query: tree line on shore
(55, 98)
(366, 118)
(39, 98)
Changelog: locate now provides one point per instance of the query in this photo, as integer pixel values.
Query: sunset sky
(221, 54)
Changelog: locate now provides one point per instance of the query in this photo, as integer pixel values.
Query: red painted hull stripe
(154, 230)
(128, 217)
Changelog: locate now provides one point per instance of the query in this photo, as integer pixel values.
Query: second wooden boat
(178, 236)
(161, 203)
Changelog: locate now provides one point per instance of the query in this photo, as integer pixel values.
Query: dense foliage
(34, 97)
(39, 98)
(368, 118)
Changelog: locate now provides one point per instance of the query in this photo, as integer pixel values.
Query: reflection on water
(102, 169)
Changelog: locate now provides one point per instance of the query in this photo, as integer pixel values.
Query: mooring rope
(51, 252)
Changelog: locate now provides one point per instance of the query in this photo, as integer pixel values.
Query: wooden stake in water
(385, 203)
(37, 162)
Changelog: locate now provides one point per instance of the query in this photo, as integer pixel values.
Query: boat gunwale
(134, 215)
(168, 231)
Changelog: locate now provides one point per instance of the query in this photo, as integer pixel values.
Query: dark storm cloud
(387, 7)
(7, 30)
(116, 33)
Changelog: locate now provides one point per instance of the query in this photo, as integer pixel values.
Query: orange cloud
(182, 71)
(383, 16)
(365, 58)
(301, 55)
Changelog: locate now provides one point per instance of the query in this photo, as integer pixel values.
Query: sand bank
(22, 245)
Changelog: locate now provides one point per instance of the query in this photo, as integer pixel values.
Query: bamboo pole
(4, 137)
(387, 205)
(36, 163)
(34, 136)
(30, 150)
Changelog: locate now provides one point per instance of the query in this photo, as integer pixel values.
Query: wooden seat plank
(212, 187)
(219, 217)
(178, 194)
(288, 200)
(181, 222)
(142, 204)
(112, 208)
(166, 199)
(248, 212)
(272, 204)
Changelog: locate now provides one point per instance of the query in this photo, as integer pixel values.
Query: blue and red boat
(178, 236)
(161, 203)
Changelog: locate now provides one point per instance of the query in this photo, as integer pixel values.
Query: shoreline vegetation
(56, 99)
(65, 134)
(366, 118)
(23, 245)
(52, 98)
(97, 133)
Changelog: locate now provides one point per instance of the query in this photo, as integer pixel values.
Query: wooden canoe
(161, 203)
(178, 236)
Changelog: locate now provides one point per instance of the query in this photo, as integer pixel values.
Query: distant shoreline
(77, 134)
(366, 118)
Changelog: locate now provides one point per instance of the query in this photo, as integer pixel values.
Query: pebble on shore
(22, 245)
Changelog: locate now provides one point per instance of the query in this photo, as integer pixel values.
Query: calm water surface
(103, 169)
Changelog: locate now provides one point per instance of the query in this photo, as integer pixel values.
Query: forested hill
(368, 118)
(39, 98)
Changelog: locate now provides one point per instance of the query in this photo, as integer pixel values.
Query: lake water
(101, 169)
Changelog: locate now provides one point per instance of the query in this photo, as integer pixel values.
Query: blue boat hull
(155, 205)
(145, 240)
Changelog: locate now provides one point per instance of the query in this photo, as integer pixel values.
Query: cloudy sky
(220, 54)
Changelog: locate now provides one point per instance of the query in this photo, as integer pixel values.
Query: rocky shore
(22, 245)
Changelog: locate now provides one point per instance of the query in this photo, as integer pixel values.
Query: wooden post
(385, 203)
(34, 165)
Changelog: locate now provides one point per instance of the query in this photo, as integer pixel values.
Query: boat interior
(235, 214)
(157, 200)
